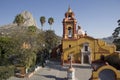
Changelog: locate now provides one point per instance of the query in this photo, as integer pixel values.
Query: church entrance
(85, 54)
(86, 59)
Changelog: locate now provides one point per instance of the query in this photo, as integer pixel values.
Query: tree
(50, 21)
(116, 36)
(42, 21)
(117, 30)
(7, 49)
(32, 36)
(51, 39)
(118, 22)
(19, 19)
(26, 58)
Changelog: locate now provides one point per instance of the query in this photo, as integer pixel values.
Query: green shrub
(6, 72)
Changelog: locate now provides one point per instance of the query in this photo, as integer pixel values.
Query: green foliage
(42, 20)
(116, 36)
(26, 58)
(19, 19)
(32, 29)
(6, 50)
(114, 60)
(117, 30)
(6, 72)
(118, 22)
(51, 39)
(50, 21)
(12, 44)
(117, 43)
(40, 40)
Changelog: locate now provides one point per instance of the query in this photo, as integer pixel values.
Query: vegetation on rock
(19, 19)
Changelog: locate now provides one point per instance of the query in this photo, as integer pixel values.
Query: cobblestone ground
(54, 71)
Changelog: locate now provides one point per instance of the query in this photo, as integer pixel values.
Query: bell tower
(69, 25)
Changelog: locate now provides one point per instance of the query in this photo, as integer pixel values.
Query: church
(83, 48)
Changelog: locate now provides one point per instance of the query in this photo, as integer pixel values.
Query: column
(82, 58)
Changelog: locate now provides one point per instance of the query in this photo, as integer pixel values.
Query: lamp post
(71, 70)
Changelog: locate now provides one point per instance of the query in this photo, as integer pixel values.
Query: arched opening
(69, 32)
(107, 74)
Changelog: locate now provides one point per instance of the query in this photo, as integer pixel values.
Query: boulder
(29, 20)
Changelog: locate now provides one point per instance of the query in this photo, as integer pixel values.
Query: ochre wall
(97, 47)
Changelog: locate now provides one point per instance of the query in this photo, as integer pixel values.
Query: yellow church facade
(76, 43)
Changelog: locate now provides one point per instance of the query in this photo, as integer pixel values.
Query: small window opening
(69, 46)
(86, 48)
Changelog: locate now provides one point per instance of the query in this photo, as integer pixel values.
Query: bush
(6, 72)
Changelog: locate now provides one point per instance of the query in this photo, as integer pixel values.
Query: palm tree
(50, 21)
(19, 19)
(42, 21)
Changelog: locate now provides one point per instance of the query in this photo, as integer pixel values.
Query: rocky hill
(13, 27)
(29, 20)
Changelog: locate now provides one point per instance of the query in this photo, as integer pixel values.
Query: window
(69, 46)
(86, 48)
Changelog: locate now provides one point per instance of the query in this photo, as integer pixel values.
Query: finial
(69, 9)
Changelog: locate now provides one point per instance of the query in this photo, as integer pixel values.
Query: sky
(97, 17)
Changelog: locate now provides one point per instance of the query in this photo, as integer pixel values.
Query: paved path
(54, 71)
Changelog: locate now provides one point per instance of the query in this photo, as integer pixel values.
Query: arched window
(86, 46)
(69, 32)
